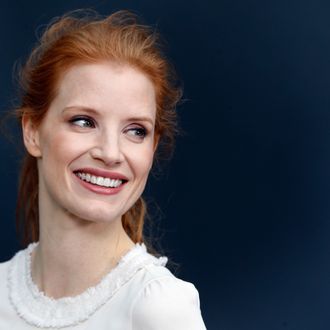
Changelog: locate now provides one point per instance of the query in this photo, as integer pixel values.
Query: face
(95, 146)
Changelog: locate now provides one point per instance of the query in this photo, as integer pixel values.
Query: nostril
(107, 154)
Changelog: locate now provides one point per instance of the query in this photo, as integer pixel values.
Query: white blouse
(138, 294)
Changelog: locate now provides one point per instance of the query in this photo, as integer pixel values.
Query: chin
(96, 215)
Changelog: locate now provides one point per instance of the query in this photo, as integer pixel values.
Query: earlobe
(31, 137)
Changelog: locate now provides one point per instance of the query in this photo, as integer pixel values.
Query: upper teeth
(99, 180)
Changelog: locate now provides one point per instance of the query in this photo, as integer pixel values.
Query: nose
(107, 149)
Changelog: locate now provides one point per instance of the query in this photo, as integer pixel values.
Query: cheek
(61, 149)
(141, 161)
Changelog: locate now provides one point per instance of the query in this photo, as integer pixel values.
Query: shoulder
(4, 270)
(166, 302)
(4, 264)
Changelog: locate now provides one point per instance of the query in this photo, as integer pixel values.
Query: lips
(102, 173)
(100, 179)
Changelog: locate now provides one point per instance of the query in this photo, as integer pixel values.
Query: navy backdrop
(244, 203)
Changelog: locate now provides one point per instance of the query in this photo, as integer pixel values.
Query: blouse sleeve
(167, 303)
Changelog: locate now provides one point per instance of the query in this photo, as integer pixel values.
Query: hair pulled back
(85, 37)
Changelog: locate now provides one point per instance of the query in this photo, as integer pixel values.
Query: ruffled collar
(39, 310)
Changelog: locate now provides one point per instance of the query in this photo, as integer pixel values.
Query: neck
(74, 254)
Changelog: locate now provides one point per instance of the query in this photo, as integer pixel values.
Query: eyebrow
(77, 107)
(94, 112)
(142, 118)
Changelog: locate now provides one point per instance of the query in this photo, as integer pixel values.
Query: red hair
(87, 38)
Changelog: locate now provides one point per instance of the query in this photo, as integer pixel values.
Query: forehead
(107, 86)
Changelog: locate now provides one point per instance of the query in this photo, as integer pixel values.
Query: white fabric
(139, 294)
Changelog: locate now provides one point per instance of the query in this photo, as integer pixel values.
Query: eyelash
(90, 121)
(140, 132)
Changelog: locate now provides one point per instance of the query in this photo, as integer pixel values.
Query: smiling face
(95, 146)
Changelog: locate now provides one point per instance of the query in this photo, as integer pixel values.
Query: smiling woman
(89, 145)
(98, 101)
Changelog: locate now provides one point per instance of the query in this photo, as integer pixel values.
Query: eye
(82, 121)
(138, 133)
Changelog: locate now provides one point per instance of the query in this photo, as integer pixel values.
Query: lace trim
(41, 311)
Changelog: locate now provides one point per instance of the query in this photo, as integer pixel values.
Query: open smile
(99, 180)
(102, 181)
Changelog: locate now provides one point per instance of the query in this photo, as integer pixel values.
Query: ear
(31, 136)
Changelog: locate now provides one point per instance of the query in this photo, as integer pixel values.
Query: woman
(98, 101)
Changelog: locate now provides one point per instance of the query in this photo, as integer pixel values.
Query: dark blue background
(244, 203)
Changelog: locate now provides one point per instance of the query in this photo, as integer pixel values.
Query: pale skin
(102, 119)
